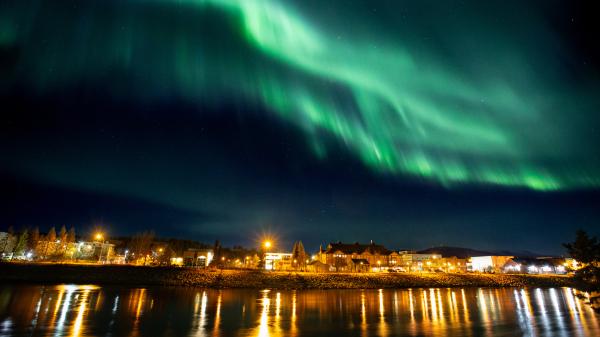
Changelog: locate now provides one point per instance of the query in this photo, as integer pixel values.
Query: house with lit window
(356, 257)
(410, 261)
(197, 257)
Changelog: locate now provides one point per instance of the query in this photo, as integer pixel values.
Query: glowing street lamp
(99, 237)
(267, 244)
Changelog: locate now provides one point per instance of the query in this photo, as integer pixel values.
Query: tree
(217, 260)
(586, 250)
(51, 236)
(50, 240)
(63, 234)
(140, 245)
(298, 256)
(71, 236)
(34, 238)
(21, 244)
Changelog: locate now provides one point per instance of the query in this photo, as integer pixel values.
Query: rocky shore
(169, 276)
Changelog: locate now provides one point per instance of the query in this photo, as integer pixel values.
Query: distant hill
(455, 251)
(462, 253)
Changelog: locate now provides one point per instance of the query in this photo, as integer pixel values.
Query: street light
(99, 237)
(267, 244)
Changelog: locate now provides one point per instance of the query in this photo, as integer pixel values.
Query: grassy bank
(167, 276)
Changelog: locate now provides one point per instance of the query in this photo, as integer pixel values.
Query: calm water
(70, 310)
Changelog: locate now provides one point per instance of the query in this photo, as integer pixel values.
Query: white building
(489, 263)
(277, 261)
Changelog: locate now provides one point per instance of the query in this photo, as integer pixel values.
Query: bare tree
(140, 245)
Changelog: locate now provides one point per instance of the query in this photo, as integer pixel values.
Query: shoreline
(251, 279)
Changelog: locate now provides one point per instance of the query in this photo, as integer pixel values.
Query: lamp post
(267, 244)
(100, 238)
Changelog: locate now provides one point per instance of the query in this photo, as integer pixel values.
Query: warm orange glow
(99, 236)
(268, 244)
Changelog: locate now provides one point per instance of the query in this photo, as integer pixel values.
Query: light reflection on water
(70, 310)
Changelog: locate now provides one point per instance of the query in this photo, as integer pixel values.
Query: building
(198, 257)
(356, 257)
(278, 261)
(453, 264)
(316, 266)
(411, 261)
(489, 264)
(537, 266)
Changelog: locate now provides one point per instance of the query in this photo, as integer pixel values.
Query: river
(77, 310)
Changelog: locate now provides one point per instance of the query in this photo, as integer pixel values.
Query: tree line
(28, 240)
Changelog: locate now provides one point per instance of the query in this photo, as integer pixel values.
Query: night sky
(410, 123)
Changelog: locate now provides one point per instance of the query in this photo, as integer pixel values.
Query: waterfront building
(453, 264)
(537, 266)
(194, 257)
(411, 261)
(489, 264)
(317, 266)
(356, 257)
(278, 261)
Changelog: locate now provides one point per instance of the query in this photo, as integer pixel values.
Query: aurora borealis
(447, 95)
(400, 110)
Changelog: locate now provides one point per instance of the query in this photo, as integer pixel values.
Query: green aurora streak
(400, 109)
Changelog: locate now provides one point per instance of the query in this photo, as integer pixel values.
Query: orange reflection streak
(440, 307)
(263, 327)
(412, 306)
(395, 310)
(61, 292)
(64, 309)
(383, 329)
(434, 313)
(277, 305)
(499, 302)
(492, 307)
(465, 308)
(483, 309)
(424, 306)
(140, 303)
(363, 314)
(218, 315)
(137, 302)
(293, 328)
(83, 301)
(453, 306)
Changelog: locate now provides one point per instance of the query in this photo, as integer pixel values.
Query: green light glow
(398, 106)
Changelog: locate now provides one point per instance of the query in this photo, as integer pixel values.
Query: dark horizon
(461, 124)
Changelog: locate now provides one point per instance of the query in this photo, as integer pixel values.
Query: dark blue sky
(147, 116)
